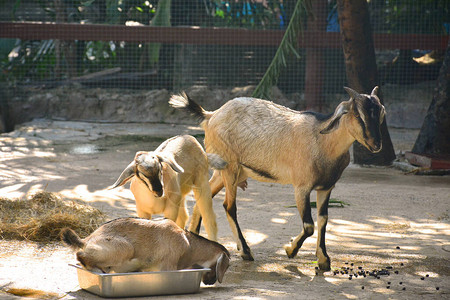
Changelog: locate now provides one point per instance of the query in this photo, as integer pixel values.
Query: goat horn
(354, 94)
(125, 176)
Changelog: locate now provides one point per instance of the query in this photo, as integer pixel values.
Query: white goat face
(147, 167)
(149, 171)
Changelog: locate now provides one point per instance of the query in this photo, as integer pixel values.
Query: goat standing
(272, 143)
(161, 179)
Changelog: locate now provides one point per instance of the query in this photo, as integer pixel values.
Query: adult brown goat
(272, 143)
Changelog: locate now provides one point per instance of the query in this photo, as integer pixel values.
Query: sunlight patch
(254, 237)
(278, 221)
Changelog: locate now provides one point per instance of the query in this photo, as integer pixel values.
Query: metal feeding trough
(140, 283)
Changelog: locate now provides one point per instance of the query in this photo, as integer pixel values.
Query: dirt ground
(390, 219)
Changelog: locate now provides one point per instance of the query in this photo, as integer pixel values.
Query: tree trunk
(361, 70)
(434, 136)
(315, 60)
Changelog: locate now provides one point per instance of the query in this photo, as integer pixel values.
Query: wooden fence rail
(206, 36)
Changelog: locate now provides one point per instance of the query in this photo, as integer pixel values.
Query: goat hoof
(290, 251)
(324, 265)
(247, 256)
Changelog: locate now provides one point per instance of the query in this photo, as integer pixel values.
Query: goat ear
(375, 91)
(171, 162)
(126, 175)
(222, 265)
(333, 123)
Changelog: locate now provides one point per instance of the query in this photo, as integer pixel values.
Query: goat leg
(322, 219)
(304, 208)
(196, 220)
(230, 180)
(202, 195)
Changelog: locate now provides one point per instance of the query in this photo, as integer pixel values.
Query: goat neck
(338, 142)
(201, 252)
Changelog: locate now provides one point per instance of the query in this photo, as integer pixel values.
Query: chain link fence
(217, 60)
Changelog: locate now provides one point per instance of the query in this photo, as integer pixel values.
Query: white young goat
(133, 245)
(269, 142)
(161, 179)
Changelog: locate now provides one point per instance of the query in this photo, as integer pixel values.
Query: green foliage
(100, 55)
(405, 16)
(14, 7)
(161, 18)
(248, 14)
(285, 49)
(35, 60)
(31, 60)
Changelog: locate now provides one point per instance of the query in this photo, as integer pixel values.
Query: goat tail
(216, 162)
(71, 238)
(184, 102)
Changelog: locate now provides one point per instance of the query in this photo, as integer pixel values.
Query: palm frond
(161, 18)
(285, 49)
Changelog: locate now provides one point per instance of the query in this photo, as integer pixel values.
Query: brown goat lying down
(133, 244)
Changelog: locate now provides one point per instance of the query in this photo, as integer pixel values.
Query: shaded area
(386, 210)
